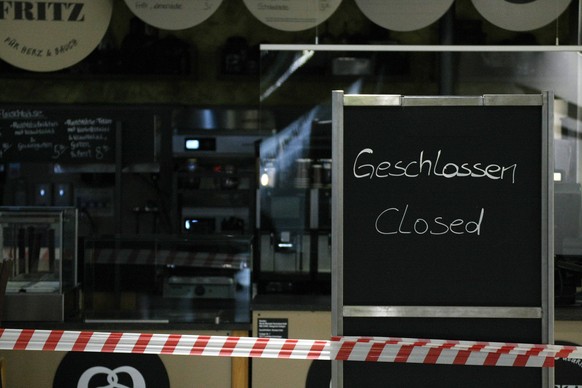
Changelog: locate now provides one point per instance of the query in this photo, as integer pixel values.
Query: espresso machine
(294, 210)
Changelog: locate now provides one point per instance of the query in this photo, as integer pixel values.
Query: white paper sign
(48, 36)
(292, 15)
(173, 14)
(521, 15)
(404, 15)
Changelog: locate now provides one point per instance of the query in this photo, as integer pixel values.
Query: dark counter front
(568, 313)
(292, 303)
(51, 367)
(308, 316)
(123, 326)
(190, 280)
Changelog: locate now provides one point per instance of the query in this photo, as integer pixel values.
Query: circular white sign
(47, 36)
(173, 14)
(404, 15)
(292, 15)
(521, 15)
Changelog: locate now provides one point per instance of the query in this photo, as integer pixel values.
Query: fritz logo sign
(51, 35)
(41, 11)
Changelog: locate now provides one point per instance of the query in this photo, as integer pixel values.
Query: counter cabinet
(194, 279)
(44, 369)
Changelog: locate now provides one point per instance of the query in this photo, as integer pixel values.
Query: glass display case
(198, 279)
(42, 244)
(294, 166)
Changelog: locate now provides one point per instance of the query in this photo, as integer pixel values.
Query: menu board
(298, 15)
(442, 228)
(56, 134)
(173, 14)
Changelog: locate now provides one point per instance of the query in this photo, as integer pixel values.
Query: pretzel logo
(137, 379)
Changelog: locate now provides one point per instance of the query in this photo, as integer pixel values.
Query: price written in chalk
(53, 135)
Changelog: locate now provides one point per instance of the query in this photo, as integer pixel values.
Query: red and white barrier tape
(426, 351)
(176, 344)
(370, 349)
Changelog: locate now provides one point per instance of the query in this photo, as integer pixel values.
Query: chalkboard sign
(441, 214)
(81, 134)
(56, 134)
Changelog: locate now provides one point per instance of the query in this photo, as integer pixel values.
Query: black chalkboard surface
(445, 218)
(78, 134)
(442, 208)
(56, 134)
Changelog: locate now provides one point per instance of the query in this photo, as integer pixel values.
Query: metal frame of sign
(545, 312)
